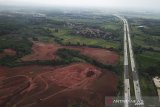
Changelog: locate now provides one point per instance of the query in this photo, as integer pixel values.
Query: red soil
(7, 52)
(45, 86)
(40, 86)
(43, 51)
(102, 55)
(73, 74)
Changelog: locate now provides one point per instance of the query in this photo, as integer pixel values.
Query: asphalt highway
(129, 51)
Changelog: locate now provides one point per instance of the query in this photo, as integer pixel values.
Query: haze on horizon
(135, 4)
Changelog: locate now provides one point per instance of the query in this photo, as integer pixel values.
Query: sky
(147, 4)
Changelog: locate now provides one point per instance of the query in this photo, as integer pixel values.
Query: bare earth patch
(7, 52)
(45, 86)
(102, 55)
(41, 51)
(60, 86)
(74, 74)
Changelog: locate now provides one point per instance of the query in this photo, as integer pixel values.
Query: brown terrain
(46, 86)
(41, 51)
(7, 52)
(101, 55)
(58, 86)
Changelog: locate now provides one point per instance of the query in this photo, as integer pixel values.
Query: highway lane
(133, 67)
(126, 72)
(136, 84)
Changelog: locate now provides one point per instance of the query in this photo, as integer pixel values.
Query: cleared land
(78, 83)
(41, 51)
(7, 52)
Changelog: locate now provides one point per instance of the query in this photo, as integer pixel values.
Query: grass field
(144, 61)
(147, 86)
(148, 58)
(67, 39)
(113, 25)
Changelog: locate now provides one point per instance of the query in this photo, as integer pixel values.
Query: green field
(113, 25)
(68, 39)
